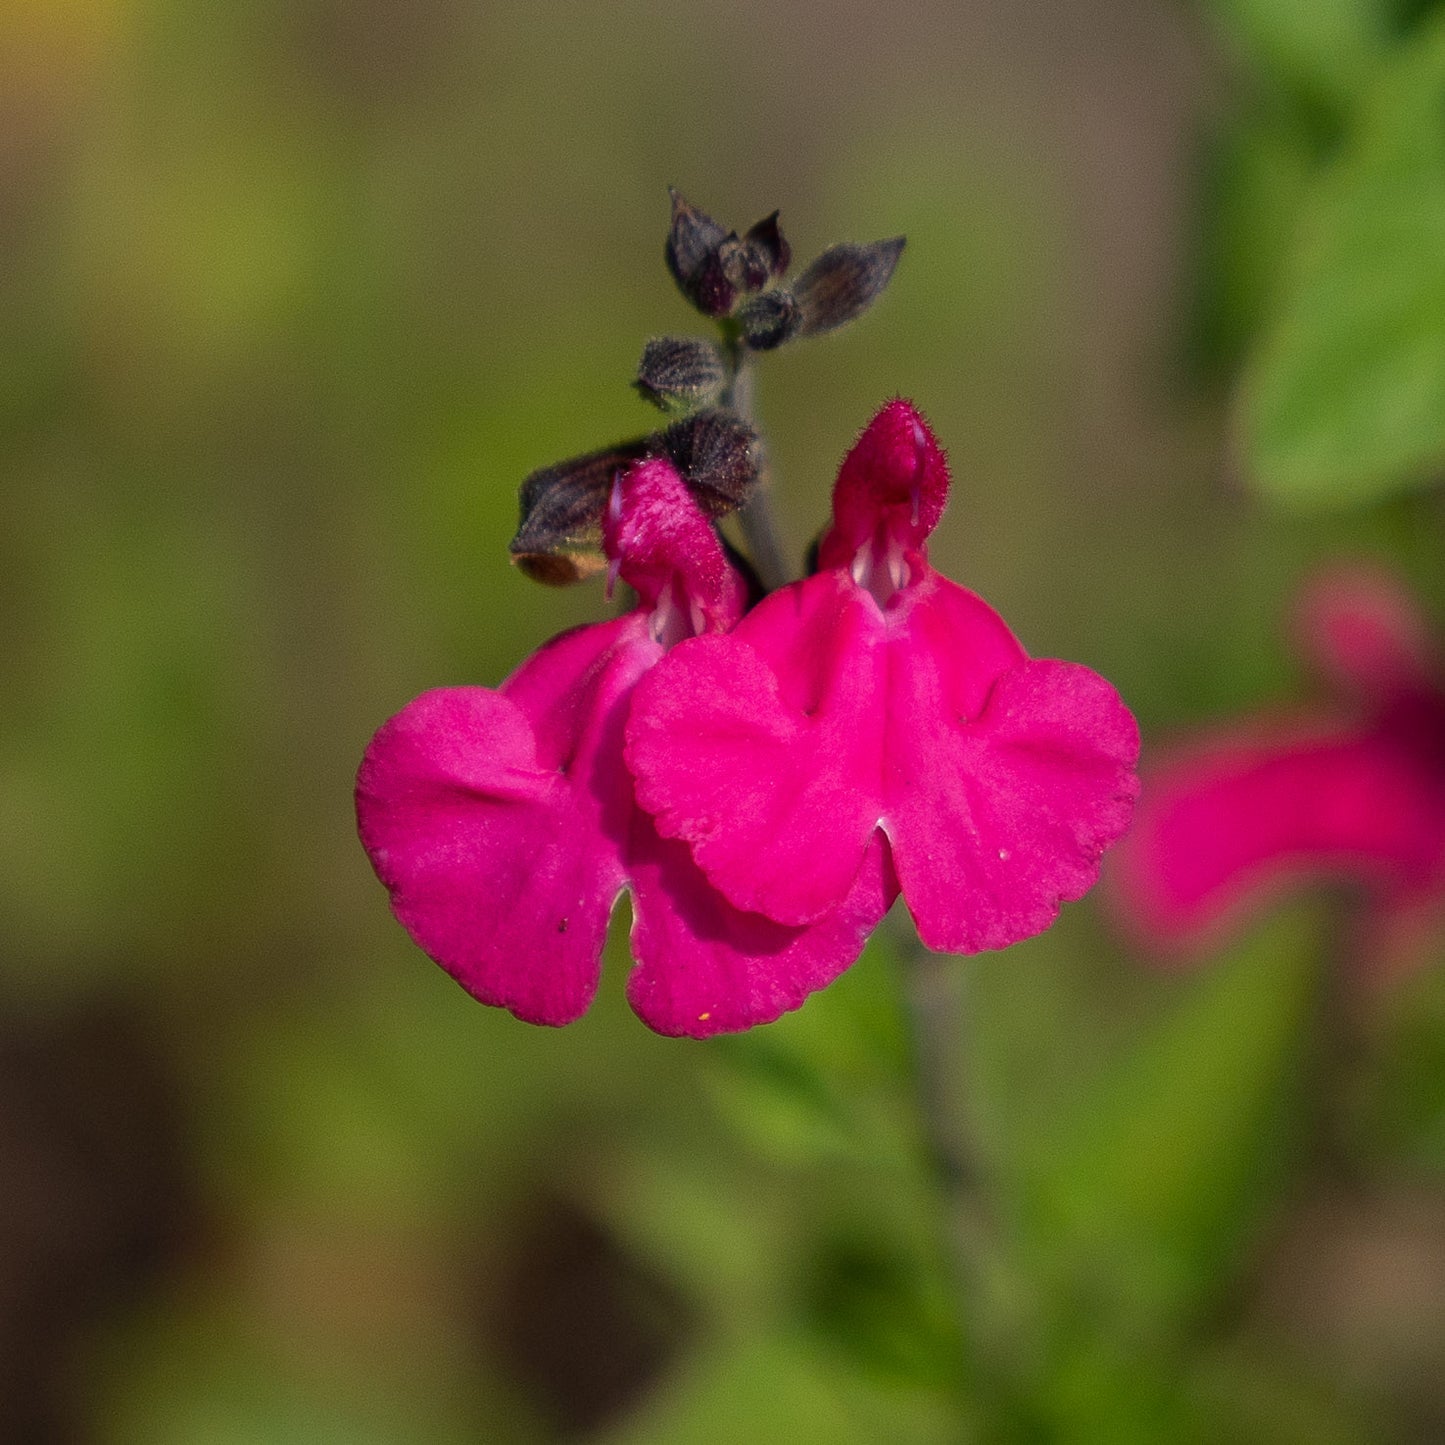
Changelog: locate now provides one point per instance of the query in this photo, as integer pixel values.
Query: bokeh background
(292, 295)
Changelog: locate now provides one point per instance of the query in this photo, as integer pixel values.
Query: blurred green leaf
(1114, 1389)
(1345, 400)
(205, 1373)
(1121, 1389)
(779, 1100)
(784, 1339)
(827, 1081)
(1248, 1395)
(1162, 1170)
(1321, 50)
(884, 1308)
(775, 1386)
(1256, 180)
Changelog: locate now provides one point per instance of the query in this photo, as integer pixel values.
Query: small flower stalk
(763, 774)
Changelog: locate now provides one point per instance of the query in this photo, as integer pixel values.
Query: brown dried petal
(560, 569)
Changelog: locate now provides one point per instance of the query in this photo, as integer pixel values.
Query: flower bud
(718, 455)
(766, 254)
(680, 372)
(693, 244)
(712, 267)
(559, 539)
(843, 283)
(769, 319)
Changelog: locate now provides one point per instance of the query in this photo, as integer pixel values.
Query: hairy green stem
(760, 530)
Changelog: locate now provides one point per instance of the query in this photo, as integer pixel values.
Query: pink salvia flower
(878, 700)
(1353, 791)
(504, 826)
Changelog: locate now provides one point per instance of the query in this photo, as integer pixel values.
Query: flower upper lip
(658, 541)
(893, 485)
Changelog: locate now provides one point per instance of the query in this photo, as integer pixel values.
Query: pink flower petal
(955, 646)
(776, 752)
(479, 848)
(662, 541)
(1227, 824)
(761, 750)
(895, 479)
(704, 967)
(556, 686)
(1366, 634)
(504, 823)
(576, 690)
(998, 819)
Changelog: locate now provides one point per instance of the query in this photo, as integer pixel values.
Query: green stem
(1337, 1043)
(760, 530)
(987, 1300)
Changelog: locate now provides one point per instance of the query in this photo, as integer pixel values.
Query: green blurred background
(292, 295)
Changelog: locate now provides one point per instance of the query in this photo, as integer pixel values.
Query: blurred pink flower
(503, 822)
(874, 700)
(1353, 790)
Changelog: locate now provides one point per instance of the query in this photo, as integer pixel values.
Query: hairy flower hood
(877, 700)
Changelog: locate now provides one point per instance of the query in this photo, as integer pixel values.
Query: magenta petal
(996, 821)
(775, 753)
(575, 691)
(556, 687)
(661, 540)
(761, 749)
(1227, 824)
(954, 646)
(482, 856)
(895, 479)
(1365, 632)
(704, 967)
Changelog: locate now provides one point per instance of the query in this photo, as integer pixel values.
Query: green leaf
(1345, 400)
(1257, 180)
(882, 1306)
(777, 1386)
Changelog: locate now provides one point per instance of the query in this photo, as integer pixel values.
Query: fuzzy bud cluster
(740, 282)
(714, 267)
